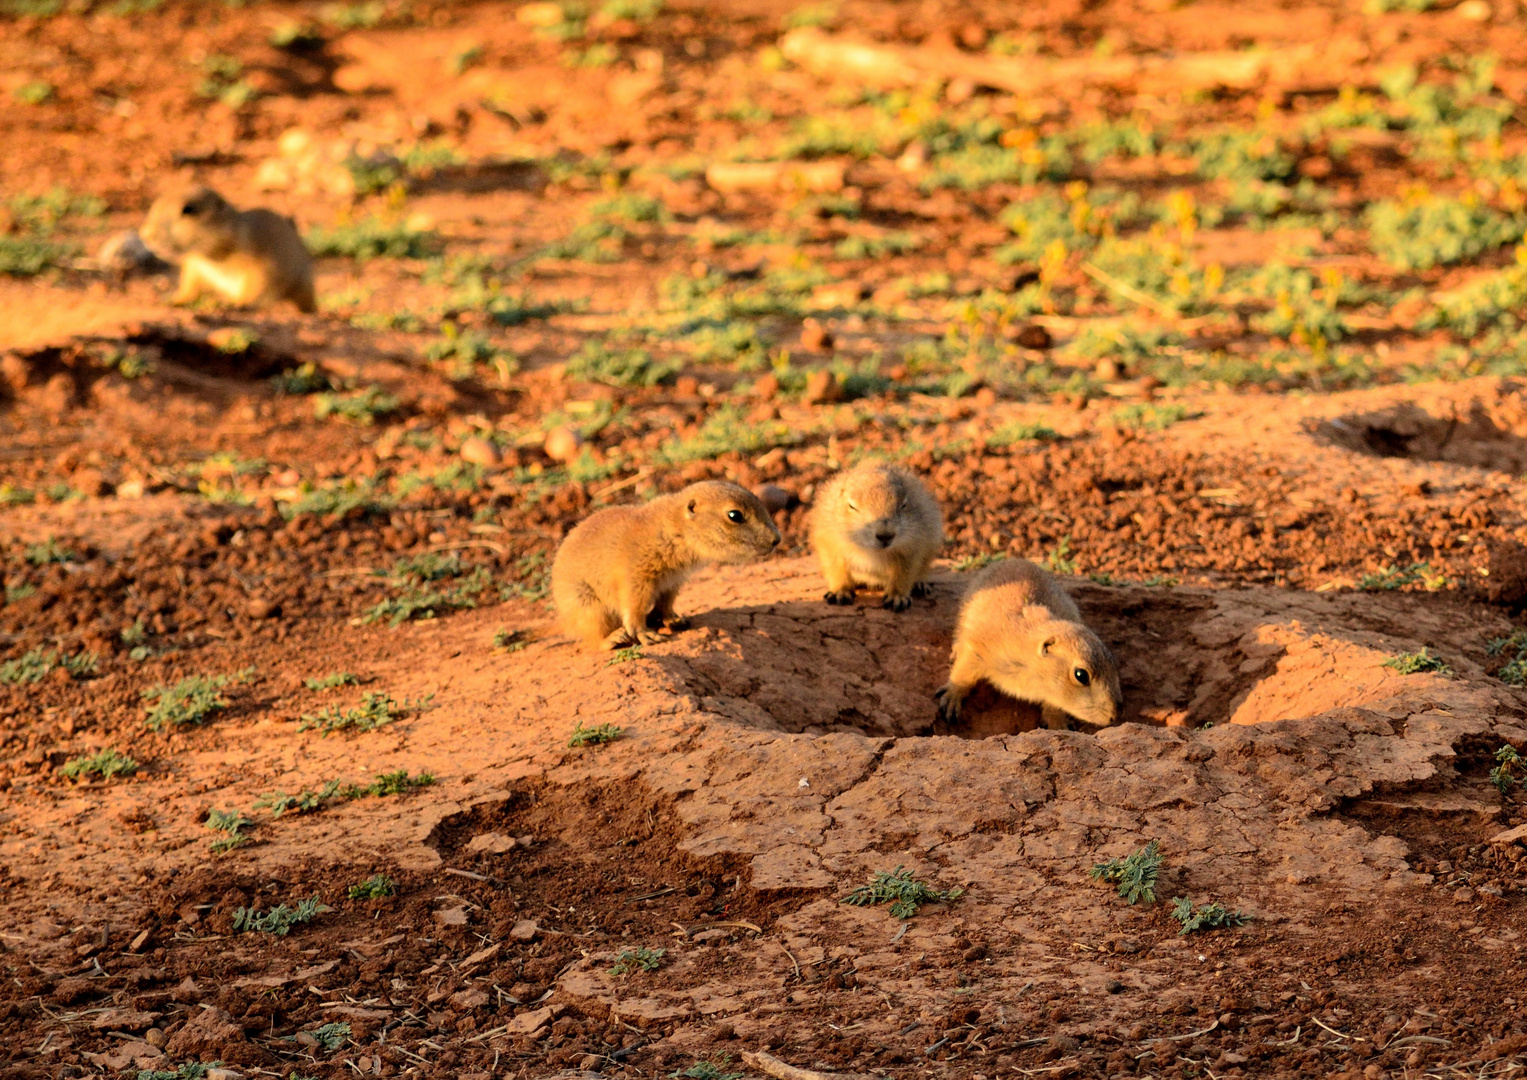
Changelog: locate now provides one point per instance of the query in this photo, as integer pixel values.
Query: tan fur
(1021, 632)
(876, 525)
(246, 257)
(616, 575)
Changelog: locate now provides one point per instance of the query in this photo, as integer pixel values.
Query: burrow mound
(1187, 658)
(1487, 432)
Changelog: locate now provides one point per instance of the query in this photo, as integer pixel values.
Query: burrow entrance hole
(1485, 435)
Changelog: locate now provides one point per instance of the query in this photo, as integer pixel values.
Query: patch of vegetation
(707, 1070)
(632, 960)
(594, 736)
(465, 349)
(421, 595)
(1412, 663)
(190, 1070)
(337, 500)
(373, 238)
(231, 823)
(373, 888)
(279, 920)
(104, 763)
(1059, 560)
(902, 891)
(976, 562)
(1017, 432)
(1425, 230)
(725, 431)
(1388, 578)
(625, 656)
(357, 407)
(1514, 673)
(1508, 764)
(332, 1036)
(35, 92)
(303, 379)
(331, 681)
(190, 701)
(597, 363)
(375, 711)
(1134, 876)
(506, 640)
(49, 551)
(304, 802)
(1205, 917)
(32, 666)
(397, 782)
(1142, 417)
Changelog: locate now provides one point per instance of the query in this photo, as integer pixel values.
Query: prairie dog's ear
(1046, 645)
(690, 509)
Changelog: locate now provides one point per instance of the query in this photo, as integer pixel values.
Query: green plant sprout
(1135, 876)
(902, 891)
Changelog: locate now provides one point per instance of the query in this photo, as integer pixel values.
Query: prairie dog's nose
(885, 536)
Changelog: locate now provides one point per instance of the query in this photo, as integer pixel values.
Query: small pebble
(479, 451)
(815, 337)
(1034, 336)
(821, 387)
(563, 444)
(1113, 986)
(261, 608)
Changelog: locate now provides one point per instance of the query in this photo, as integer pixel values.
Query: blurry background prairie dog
(617, 573)
(1021, 632)
(245, 256)
(876, 525)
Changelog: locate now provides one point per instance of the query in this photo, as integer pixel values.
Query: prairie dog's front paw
(948, 703)
(896, 603)
(840, 596)
(922, 590)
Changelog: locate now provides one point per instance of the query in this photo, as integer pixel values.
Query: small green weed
(421, 597)
(337, 500)
(1508, 764)
(1426, 231)
(304, 802)
(1206, 917)
(49, 551)
(358, 407)
(372, 238)
(1017, 432)
(303, 379)
(331, 681)
(231, 823)
(392, 783)
(977, 561)
(1142, 417)
(332, 1036)
(279, 920)
(594, 736)
(902, 891)
(104, 763)
(625, 656)
(1412, 663)
(33, 665)
(597, 363)
(507, 640)
(1388, 578)
(373, 888)
(1160, 581)
(632, 960)
(725, 431)
(706, 1070)
(190, 1070)
(190, 701)
(374, 711)
(1514, 673)
(1059, 560)
(465, 349)
(35, 92)
(1134, 876)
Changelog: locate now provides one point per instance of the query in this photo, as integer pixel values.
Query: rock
(456, 916)
(1034, 336)
(524, 930)
(261, 608)
(124, 1020)
(491, 843)
(563, 444)
(1517, 835)
(1114, 986)
(479, 451)
(775, 498)
(1463, 896)
(205, 1036)
(815, 337)
(765, 387)
(821, 388)
(467, 1000)
(838, 294)
(540, 14)
(1474, 11)
(126, 253)
(713, 936)
(69, 991)
(1109, 370)
(156, 1037)
(528, 1023)
(1058, 1046)
(216, 1073)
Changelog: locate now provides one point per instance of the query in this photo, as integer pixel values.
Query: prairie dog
(876, 525)
(1020, 632)
(245, 256)
(616, 574)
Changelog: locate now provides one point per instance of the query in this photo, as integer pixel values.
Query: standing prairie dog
(245, 256)
(1021, 633)
(617, 573)
(876, 525)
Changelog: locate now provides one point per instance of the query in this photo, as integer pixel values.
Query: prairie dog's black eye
(190, 209)
(1083, 676)
(735, 515)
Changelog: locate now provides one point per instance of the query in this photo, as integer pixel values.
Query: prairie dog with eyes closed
(1021, 632)
(617, 573)
(244, 256)
(876, 525)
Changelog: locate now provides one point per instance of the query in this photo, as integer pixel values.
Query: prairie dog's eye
(1082, 676)
(735, 515)
(190, 209)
